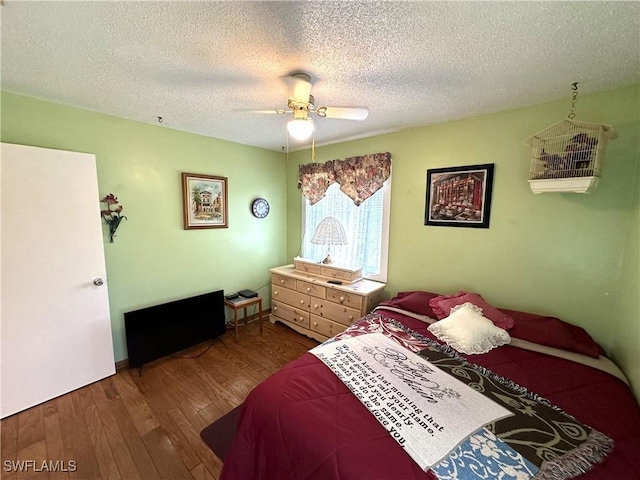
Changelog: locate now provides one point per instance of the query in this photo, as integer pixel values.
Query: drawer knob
(315, 305)
(315, 324)
(301, 301)
(350, 317)
(308, 289)
(275, 292)
(275, 309)
(301, 318)
(341, 299)
(282, 280)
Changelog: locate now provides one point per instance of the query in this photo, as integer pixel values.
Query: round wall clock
(260, 208)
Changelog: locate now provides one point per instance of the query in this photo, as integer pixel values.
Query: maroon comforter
(303, 423)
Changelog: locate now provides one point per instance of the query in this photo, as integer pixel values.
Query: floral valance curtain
(359, 177)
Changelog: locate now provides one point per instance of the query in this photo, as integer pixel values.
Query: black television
(161, 330)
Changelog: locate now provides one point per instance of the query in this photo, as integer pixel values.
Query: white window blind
(366, 226)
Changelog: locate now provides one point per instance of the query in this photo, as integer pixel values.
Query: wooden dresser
(311, 305)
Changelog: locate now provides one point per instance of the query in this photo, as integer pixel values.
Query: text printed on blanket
(427, 411)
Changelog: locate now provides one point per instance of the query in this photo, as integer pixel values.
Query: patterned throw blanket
(538, 442)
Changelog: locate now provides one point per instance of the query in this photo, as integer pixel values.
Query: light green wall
(569, 255)
(153, 259)
(574, 256)
(625, 343)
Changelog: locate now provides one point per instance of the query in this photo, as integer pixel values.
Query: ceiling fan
(301, 105)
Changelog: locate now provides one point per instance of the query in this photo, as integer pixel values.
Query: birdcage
(567, 156)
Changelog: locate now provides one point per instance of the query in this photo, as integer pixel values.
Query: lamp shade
(300, 129)
(329, 232)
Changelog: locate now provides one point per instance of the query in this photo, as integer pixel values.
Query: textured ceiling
(202, 65)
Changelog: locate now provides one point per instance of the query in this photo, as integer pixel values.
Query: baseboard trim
(122, 365)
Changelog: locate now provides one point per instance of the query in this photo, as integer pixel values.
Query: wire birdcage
(567, 156)
(569, 149)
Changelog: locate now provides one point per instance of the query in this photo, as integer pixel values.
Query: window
(366, 226)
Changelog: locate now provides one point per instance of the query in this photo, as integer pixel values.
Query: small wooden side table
(242, 303)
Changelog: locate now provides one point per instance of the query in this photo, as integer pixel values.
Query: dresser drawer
(325, 327)
(309, 268)
(311, 288)
(335, 312)
(290, 314)
(345, 298)
(283, 281)
(337, 274)
(346, 274)
(290, 297)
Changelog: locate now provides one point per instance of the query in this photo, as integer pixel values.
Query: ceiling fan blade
(300, 87)
(346, 113)
(275, 111)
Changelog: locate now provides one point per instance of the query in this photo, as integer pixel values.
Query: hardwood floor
(146, 425)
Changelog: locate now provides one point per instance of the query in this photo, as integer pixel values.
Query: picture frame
(459, 196)
(204, 199)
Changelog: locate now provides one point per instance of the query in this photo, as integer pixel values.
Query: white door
(55, 324)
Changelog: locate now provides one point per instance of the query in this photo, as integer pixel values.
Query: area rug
(220, 434)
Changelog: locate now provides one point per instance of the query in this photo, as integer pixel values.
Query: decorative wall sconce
(112, 217)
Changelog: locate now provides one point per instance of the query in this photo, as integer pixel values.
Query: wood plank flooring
(146, 424)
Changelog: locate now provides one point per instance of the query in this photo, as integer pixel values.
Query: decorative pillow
(414, 301)
(553, 332)
(468, 331)
(443, 304)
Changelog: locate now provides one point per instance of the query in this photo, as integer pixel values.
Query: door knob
(98, 282)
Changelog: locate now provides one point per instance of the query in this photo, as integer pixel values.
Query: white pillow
(466, 330)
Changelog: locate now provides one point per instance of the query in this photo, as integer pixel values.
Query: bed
(303, 422)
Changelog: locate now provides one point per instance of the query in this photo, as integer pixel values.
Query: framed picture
(459, 196)
(204, 200)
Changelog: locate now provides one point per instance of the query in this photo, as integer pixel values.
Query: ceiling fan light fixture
(300, 129)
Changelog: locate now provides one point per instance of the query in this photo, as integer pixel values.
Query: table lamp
(329, 232)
